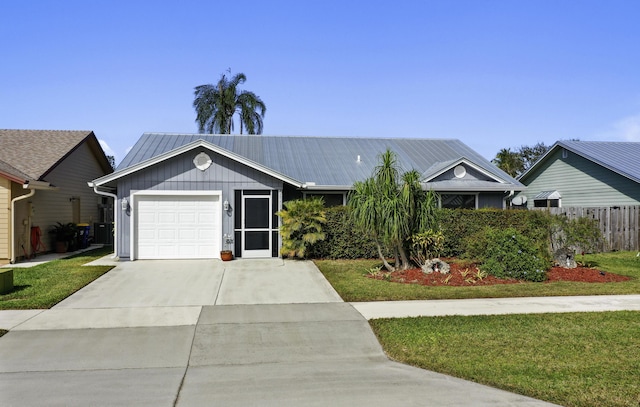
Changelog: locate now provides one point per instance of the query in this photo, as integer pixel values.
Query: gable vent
(460, 171)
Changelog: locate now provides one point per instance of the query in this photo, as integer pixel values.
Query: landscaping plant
(505, 253)
(302, 222)
(390, 207)
(426, 246)
(580, 235)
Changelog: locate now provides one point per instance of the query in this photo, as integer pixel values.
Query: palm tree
(509, 162)
(302, 224)
(391, 207)
(216, 104)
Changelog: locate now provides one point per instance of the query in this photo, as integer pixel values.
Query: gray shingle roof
(33, 153)
(326, 161)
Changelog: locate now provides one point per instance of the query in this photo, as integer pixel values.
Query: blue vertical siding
(180, 174)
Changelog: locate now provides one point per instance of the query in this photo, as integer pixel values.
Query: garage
(176, 225)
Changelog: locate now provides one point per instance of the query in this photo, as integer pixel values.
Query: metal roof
(622, 157)
(325, 161)
(548, 195)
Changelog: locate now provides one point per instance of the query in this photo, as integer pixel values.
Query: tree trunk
(403, 256)
(384, 261)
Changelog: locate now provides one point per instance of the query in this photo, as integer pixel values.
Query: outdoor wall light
(124, 204)
(225, 205)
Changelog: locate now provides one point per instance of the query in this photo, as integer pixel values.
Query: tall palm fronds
(509, 162)
(215, 106)
(391, 207)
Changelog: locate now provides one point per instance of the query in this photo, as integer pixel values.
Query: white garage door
(178, 226)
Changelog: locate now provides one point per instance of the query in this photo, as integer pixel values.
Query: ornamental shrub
(506, 253)
(459, 224)
(302, 224)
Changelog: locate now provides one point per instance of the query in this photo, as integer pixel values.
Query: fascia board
(541, 159)
(452, 189)
(327, 187)
(188, 147)
(13, 178)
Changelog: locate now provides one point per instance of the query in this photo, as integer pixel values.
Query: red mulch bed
(456, 277)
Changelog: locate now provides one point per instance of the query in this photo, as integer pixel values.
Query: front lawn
(47, 284)
(575, 359)
(348, 279)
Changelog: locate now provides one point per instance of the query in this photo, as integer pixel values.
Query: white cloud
(106, 148)
(628, 129)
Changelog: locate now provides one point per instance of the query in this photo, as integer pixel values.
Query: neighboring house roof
(618, 156)
(315, 162)
(32, 154)
(14, 174)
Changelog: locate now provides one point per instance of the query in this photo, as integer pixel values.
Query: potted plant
(64, 234)
(226, 254)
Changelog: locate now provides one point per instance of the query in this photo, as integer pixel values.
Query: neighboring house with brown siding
(43, 180)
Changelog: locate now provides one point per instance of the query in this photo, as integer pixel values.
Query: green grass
(576, 359)
(45, 285)
(347, 277)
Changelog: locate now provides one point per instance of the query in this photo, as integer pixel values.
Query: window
(458, 201)
(546, 203)
(329, 199)
(75, 209)
(547, 199)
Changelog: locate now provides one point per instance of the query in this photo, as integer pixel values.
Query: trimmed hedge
(459, 224)
(342, 241)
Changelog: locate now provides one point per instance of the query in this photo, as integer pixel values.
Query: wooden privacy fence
(620, 225)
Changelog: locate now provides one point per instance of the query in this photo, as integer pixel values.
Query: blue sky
(494, 74)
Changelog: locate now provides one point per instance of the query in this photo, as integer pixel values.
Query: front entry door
(256, 215)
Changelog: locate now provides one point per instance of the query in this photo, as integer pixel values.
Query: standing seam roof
(330, 161)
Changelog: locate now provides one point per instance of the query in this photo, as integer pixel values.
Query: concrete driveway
(192, 333)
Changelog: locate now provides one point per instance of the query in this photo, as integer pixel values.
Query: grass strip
(45, 285)
(576, 359)
(348, 278)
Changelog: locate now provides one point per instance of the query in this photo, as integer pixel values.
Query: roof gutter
(42, 185)
(311, 186)
(115, 214)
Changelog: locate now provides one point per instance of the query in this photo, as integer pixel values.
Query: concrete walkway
(190, 333)
(497, 306)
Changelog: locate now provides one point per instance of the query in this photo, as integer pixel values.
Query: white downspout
(13, 222)
(504, 200)
(115, 216)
